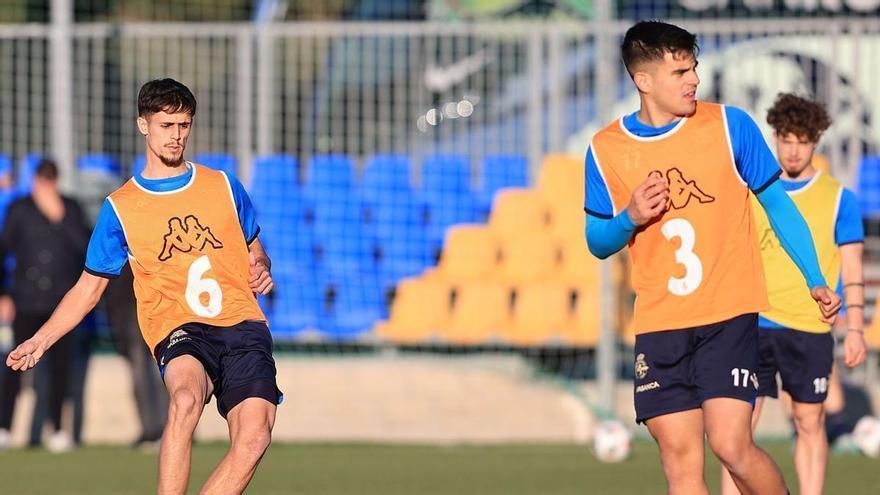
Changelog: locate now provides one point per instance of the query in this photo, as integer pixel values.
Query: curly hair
(799, 116)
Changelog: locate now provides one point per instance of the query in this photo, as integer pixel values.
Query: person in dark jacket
(47, 235)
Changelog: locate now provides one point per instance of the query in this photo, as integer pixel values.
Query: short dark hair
(797, 115)
(648, 41)
(165, 95)
(47, 169)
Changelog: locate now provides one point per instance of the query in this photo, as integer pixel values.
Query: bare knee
(184, 407)
(730, 450)
(810, 425)
(253, 444)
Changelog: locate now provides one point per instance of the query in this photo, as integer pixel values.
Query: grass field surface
(386, 469)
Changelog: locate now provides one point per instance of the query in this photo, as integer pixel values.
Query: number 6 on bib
(196, 286)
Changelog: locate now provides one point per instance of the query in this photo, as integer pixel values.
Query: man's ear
(643, 80)
(142, 125)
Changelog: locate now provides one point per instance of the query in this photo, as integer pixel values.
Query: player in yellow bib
(190, 236)
(794, 341)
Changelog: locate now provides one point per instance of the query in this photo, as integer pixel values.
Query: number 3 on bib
(693, 268)
(196, 286)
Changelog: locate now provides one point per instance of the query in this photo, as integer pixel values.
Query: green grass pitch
(386, 469)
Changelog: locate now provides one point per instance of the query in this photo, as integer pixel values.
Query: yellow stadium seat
(583, 329)
(518, 212)
(529, 259)
(561, 183)
(577, 265)
(480, 311)
(419, 311)
(562, 178)
(469, 253)
(541, 313)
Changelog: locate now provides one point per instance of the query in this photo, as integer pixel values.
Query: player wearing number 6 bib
(190, 235)
(673, 180)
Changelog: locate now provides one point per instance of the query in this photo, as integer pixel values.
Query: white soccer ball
(611, 441)
(866, 436)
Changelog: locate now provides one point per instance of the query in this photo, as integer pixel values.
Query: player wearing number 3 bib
(673, 181)
(191, 237)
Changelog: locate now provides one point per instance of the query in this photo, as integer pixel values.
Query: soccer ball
(867, 436)
(611, 441)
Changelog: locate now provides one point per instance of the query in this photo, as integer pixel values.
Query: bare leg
(811, 447)
(250, 432)
(728, 487)
(728, 426)
(188, 387)
(680, 438)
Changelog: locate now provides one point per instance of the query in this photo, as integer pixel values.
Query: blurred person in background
(794, 342)
(47, 235)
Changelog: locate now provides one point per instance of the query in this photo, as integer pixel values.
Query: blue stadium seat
(25, 174)
(357, 303)
(329, 175)
(218, 161)
(138, 164)
(400, 235)
(99, 163)
(296, 303)
(274, 173)
(869, 186)
(7, 192)
(6, 166)
(446, 211)
(444, 175)
(498, 172)
(341, 237)
(384, 175)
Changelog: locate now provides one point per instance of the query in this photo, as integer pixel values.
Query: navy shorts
(802, 359)
(678, 370)
(238, 359)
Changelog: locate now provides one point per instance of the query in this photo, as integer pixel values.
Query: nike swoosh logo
(440, 79)
(162, 361)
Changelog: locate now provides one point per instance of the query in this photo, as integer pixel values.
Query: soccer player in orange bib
(190, 235)
(673, 181)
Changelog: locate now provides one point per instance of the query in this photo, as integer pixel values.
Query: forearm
(793, 233)
(853, 285)
(608, 236)
(75, 305)
(260, 256)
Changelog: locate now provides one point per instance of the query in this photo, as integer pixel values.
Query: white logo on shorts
(178, 336)
(641, 366)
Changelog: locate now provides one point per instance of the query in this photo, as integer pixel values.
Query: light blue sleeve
(755, 162)
(848, 227)
(597, 199)
(108, 250)
(247, 217)
(606, 236)
(792, 231)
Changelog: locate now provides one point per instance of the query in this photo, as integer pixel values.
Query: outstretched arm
(795, 237)
(75, 305)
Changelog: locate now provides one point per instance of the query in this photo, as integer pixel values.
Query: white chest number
(693, 268)
(196, 286)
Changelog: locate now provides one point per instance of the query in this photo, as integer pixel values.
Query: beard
(171, 161)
